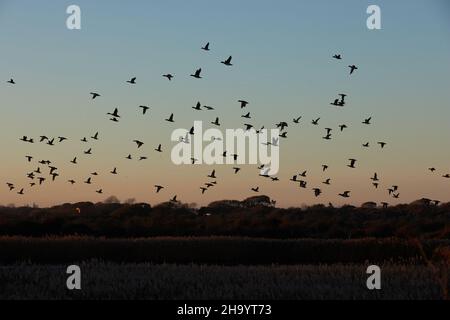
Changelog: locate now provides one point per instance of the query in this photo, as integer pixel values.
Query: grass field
(222, 268)
(168, 281)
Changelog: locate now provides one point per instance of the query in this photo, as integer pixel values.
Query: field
(222, 268)
(167, 281)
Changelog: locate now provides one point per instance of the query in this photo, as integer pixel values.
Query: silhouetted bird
(255, 189)
(317, 192)
(337, 56)
(95, 136)
(367, 121)
(212, 175)
(159, 148)
(29, 158)
(315, 122)
(342, 127)
(382, 144)
(198, 106)
(197, 74)
(243, 103)
(345, 194)
(11, 81)
(247, 116)
(297, 120)
(168, 76)
(170, 119)
(144, 109)
(138, 143)
(114, 171)
(115, 114)
(352, 163)
(206, 47)
(74, 161)
(236, 169)
(227, 62)
(366, 145)
(375, 177)
(432, 169)
(94, 95)
(100, 191)
(353, 68)
(89, 151)
(132, 81)
(158, 188)
(328, 182)
(216, 122)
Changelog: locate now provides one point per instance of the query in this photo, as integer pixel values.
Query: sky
(282, 64)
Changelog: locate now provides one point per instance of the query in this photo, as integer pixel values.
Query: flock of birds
(38, 176)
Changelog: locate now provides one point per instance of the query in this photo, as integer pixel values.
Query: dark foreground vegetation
(221, 250)
(254, 217)
(168, 282)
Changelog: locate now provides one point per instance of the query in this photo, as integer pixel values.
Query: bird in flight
(432, 169)
(227, 62)
(138, 143)
(74, 161)
(297, 120)
(100, 191)
(382, 144)
(115, 114)
(216, 122)
(168, 76)
(236, 170)
(132, 81)
(94, 95)
(114, 171)
(243, 103)
(342, 127)
(315, 122)
(255, 189)
(317, 192)
(247, 116)
(144, 109)
(11, 81)
(337, 57)
(197, 74)
(352, 163)
(158, 188)
(447, 176)
(170, 118)
(375, 177)
(345, 194)
(212, 175)
(352, 68)
(29, 158)
(366, 145)
(95, 136)
(206, 47)
(198, 106)
(367, 121)
(159, 148)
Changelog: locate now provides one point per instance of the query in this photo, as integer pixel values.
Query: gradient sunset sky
(282, 55)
